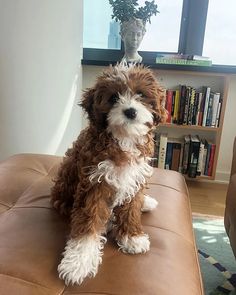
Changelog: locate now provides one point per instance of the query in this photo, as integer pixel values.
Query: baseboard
(222, 177)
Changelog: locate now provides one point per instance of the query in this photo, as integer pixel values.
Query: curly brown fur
(106, 168)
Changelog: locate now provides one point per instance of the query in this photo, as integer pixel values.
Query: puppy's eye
(140, 94)
(113, 98)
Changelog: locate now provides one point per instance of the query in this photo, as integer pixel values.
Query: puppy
(103, 175)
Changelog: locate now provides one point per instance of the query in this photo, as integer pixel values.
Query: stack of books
(183, 59)
(188, 106)
(191, 155)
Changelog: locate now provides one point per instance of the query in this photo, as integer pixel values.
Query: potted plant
(133, 21)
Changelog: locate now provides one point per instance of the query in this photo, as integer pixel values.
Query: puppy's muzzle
(130, 113)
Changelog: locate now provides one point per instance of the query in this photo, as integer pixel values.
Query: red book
(169, 96)
(211, 160)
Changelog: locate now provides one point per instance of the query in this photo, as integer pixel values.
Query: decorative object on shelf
(183, 59)
(133, 21)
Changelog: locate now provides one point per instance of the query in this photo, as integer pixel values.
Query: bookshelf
(218, 82)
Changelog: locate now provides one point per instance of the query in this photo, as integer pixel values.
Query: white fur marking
(119, 123)
(134, 245)
(81, 259)
(126, 180)
(149, 204)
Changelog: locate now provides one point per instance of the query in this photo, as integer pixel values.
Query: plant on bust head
(124, 10)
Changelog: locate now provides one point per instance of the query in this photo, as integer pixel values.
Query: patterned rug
(217, 262)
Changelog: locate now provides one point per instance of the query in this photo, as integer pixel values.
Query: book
(193, 156)
(186, 62)
(215, 104)
(207, 91)
(168, 160)
(218, 113)
(211, 160)
(207, 158)
(186, 153)
(176, 156)
(192, 95)
(162, 151)
(204, 157)
(176, 108)
(200, 158)
(199, 115)
(209, 110)
(181, 104)
(186, 106)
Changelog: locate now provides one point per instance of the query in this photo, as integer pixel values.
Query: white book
(207, 96)
(218, 113)
(200, 158)
(204, 159)
(162, 151)
(216, 100)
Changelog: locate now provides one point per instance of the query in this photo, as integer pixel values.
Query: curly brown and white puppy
(103, 175)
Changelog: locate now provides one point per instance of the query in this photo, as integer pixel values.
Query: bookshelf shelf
(217, 83)
(192, 127)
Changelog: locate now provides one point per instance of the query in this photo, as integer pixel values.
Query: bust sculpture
(132, 33)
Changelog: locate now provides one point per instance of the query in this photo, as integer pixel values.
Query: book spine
(186, 154)
(214, 109)
(193, 158)
(191, 106)
(218, 114)
(186, 106)
(181, 104)
(207, 159)
(176, 109)
(195, 108)
(207, 96)
(169, 151)
(211, 160)
(209, 110)
(204, 159)
(172, 61)
(175, 156)
(200, 159)
(162, 151)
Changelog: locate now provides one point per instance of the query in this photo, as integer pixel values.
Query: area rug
(217, 262)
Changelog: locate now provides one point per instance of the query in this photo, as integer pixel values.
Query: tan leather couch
(230, 210)
(33, 235)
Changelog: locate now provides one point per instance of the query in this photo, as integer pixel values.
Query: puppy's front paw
(135, 244)
(81, 259)
(149, 204)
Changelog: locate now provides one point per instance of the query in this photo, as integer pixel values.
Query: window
(163, 33)
(200, 27)
(220, 34)
(100, 31)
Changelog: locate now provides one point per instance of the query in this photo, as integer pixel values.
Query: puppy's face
(126, 101)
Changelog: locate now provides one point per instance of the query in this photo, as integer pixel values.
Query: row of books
(187, 106)
(182, 59)
(191, 155)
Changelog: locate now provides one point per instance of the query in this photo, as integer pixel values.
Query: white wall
(40, 53)
(229, 129)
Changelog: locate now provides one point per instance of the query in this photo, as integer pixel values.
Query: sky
(163, 33)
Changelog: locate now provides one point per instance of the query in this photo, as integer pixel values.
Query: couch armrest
(233, 168)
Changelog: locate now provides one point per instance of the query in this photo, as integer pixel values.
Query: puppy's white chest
(126, 180)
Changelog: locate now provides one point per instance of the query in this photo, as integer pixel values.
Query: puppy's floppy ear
(87, 102)
(160, 115)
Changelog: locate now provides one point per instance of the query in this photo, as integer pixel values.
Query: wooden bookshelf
(219, 82)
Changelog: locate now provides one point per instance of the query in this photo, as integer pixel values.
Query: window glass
(220, 34)
(100, 31)
(163, 32)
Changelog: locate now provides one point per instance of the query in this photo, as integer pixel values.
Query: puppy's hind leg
(62, 193)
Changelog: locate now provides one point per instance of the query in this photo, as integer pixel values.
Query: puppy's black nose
(130, 113)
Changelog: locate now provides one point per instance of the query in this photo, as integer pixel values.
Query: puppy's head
(126, 101)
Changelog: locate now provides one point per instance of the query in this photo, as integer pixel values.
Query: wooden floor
(207, 198)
